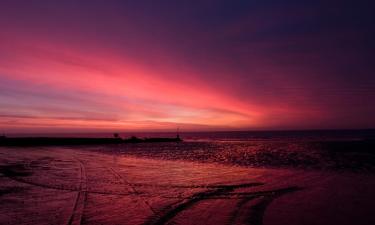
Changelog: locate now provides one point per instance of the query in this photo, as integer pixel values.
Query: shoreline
(62, 141)
(68, 184)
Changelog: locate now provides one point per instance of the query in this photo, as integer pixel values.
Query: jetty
(48, 141)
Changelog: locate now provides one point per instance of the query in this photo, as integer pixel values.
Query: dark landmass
(47, 141)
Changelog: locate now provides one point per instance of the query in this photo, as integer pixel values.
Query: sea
(329, 150)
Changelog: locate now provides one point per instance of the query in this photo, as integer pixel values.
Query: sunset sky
(199, 65)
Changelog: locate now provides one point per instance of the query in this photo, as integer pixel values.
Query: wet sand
(59, 185)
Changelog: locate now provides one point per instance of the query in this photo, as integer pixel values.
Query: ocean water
(344, 150)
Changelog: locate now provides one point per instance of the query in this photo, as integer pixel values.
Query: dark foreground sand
(67, 186)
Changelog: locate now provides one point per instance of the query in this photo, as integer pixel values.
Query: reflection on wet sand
(66, 186)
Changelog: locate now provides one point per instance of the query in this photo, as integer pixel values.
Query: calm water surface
(349, 150)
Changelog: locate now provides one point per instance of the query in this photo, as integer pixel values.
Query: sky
(72, 66)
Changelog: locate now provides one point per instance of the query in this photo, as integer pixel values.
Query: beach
(187, 112)
(63, 185)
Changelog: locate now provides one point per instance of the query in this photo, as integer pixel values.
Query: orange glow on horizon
(142, 99)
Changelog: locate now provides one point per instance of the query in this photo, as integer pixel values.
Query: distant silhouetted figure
(116, 135)
(178, 134)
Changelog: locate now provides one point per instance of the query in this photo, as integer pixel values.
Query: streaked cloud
(213, 65)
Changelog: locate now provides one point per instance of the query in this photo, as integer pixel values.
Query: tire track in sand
(255, 213)
(80, 201)
(135, 191)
